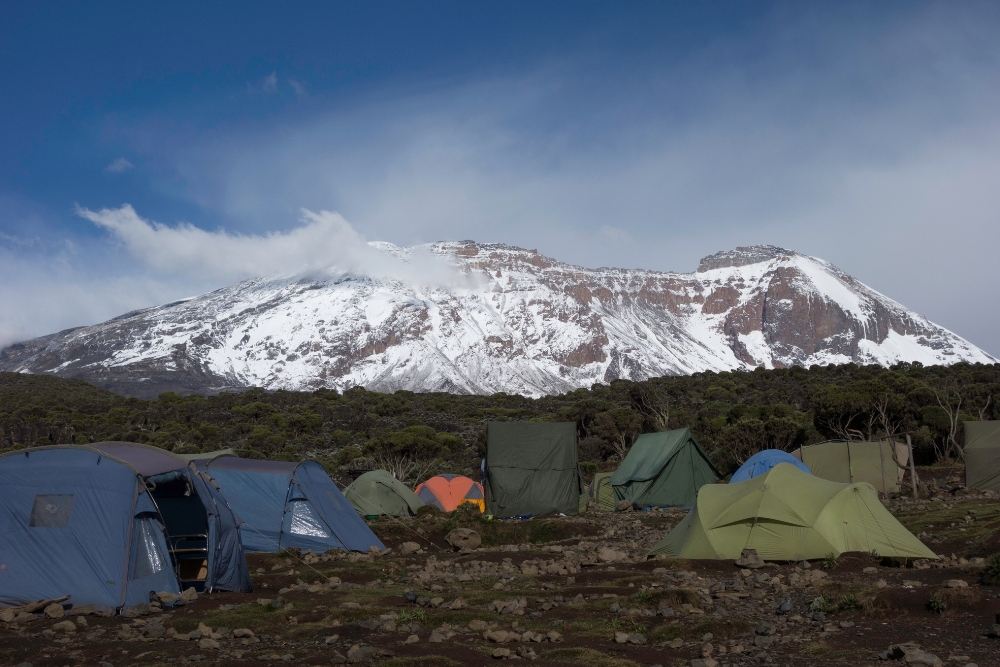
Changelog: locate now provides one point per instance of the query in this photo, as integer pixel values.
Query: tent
(203, 533)
(74, 521)
(786, 514)
(377, 493)
(853, 462)
(286, 504)
(982, 455)
(663, 469)
(762, 461)
(447, 492)
(531, 469)
(602, 493)
(207, 456)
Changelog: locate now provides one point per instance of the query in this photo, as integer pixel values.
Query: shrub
(830, 561)
(936, 604)
(991, 575)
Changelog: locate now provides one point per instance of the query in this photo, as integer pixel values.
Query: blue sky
(623, 134)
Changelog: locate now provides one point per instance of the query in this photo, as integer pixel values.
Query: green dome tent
(378, 493)
(787, 514)
(602, 493)
(982, 455)
(663, 469)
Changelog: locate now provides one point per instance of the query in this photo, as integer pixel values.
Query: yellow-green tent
(982, 455)
(786, 514)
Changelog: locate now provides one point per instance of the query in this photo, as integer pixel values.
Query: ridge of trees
(732, 414)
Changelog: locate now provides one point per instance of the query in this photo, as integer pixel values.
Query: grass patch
(254, 616)
(627, 624)
(422, 661)
(586, 656)
(722, 629)
(414, 615)
(676, 597)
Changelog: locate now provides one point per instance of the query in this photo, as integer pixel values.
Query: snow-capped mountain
(517, 322)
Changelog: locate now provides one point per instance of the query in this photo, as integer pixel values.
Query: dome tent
(203, 533)
(762, 461)
(664, 469)
(75, 521)
(786, 514)
(286, 504)
(447, 492)
(377, 493)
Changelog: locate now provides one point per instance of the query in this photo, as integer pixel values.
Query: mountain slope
(519, 323)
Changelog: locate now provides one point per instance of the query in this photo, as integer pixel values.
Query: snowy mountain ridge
(516, 321)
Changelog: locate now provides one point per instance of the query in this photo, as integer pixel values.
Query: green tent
(602, 493)
(378, 493)
(207, 456)
(531, 469)
(982, 455)
(664, 469)
(854, 462)
(787, 514)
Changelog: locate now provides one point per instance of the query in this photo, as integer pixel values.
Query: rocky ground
(572, 590)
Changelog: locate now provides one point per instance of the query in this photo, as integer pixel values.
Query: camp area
(289, 505)
(377, 493)
(531, 469)
(789, 515)
(664, 470)
(447, 492)
(881, 464)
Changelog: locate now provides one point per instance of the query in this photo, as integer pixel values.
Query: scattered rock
(676, 643)
(621, 637)
(881, 583)
(64, 626)
(956, 583)
(408, 548)
(624, 506)
(609, 555)
(189, 595)
(554, 636)
(207, 643)
(501, 653)
(464, 538)
(870, 570)
(638, 639)
(54, 610)
(704, 662)
(750, 560)
(361, 654)
(412, 639)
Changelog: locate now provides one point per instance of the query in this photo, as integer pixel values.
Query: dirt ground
(565, 590)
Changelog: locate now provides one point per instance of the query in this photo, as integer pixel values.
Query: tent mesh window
(305, 522)
(148, 557)
(51, 511)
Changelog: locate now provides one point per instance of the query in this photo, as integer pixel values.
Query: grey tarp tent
(203, 532)
(854, 462)
(982, 455)
(75, 521)
(531, 469)
(663, 469)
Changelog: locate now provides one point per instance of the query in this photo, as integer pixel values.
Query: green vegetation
(733, 415)
(830, 561)
(936, 604)
(991, 574)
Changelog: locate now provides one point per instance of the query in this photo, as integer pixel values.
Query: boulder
(189, 595)
(64, 626)
(408, 548)
(464, 538)
(54, 610)
(207, 643)
(609, 555)
(621, 637)
(750, 560)
(624, 506)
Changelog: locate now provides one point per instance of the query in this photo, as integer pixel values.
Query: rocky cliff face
(521, 323)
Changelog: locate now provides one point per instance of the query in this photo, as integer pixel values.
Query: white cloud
(119, 165)
(615, 235)
(323, 242)
(266, 85)
(299, 87)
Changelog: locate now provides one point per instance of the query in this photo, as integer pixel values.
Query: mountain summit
(522, 323)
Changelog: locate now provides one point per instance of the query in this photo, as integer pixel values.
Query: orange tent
(446, 492)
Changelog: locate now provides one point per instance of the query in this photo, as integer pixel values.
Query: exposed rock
(750, 560)
(412, 639)
(624, 506)
(408, 548)
(956, 583)
(65, 626)
(464, 538)
(609, 555)
(189, 595)
(54, 610)
(207, 643)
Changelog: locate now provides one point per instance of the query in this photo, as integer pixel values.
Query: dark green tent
(982, 455)
(531, 469)
(663, 469)
(602, 493)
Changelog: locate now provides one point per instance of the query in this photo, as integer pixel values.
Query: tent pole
(885, 483)
(913, 469)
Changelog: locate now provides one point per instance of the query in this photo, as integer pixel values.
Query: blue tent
(289, 505)
(203, 533)
(74, 521)
(762, 461)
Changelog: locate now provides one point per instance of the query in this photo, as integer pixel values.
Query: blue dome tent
(286, 504)
(762, 461)
(203, 533)
(75, 521)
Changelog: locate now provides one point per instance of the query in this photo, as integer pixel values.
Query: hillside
(508, 320)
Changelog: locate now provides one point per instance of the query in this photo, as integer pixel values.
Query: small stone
(554, 636)
(412, 639)
(707, 650)
(436, 637)
(464, 538)
(54, 610)
(881, 583)
(704, 662)
(638, 639)
(207, 643)
(338, 658)
(501, 653)
(624, 506)
(477, 625)
(240, 633)
(609, 555)
(956, 583)
(750, 560)
(676, 643)
(870, 570)
(64, 626)
(408, 548)
(189, 595)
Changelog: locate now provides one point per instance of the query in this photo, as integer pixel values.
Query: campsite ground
(566, 588)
